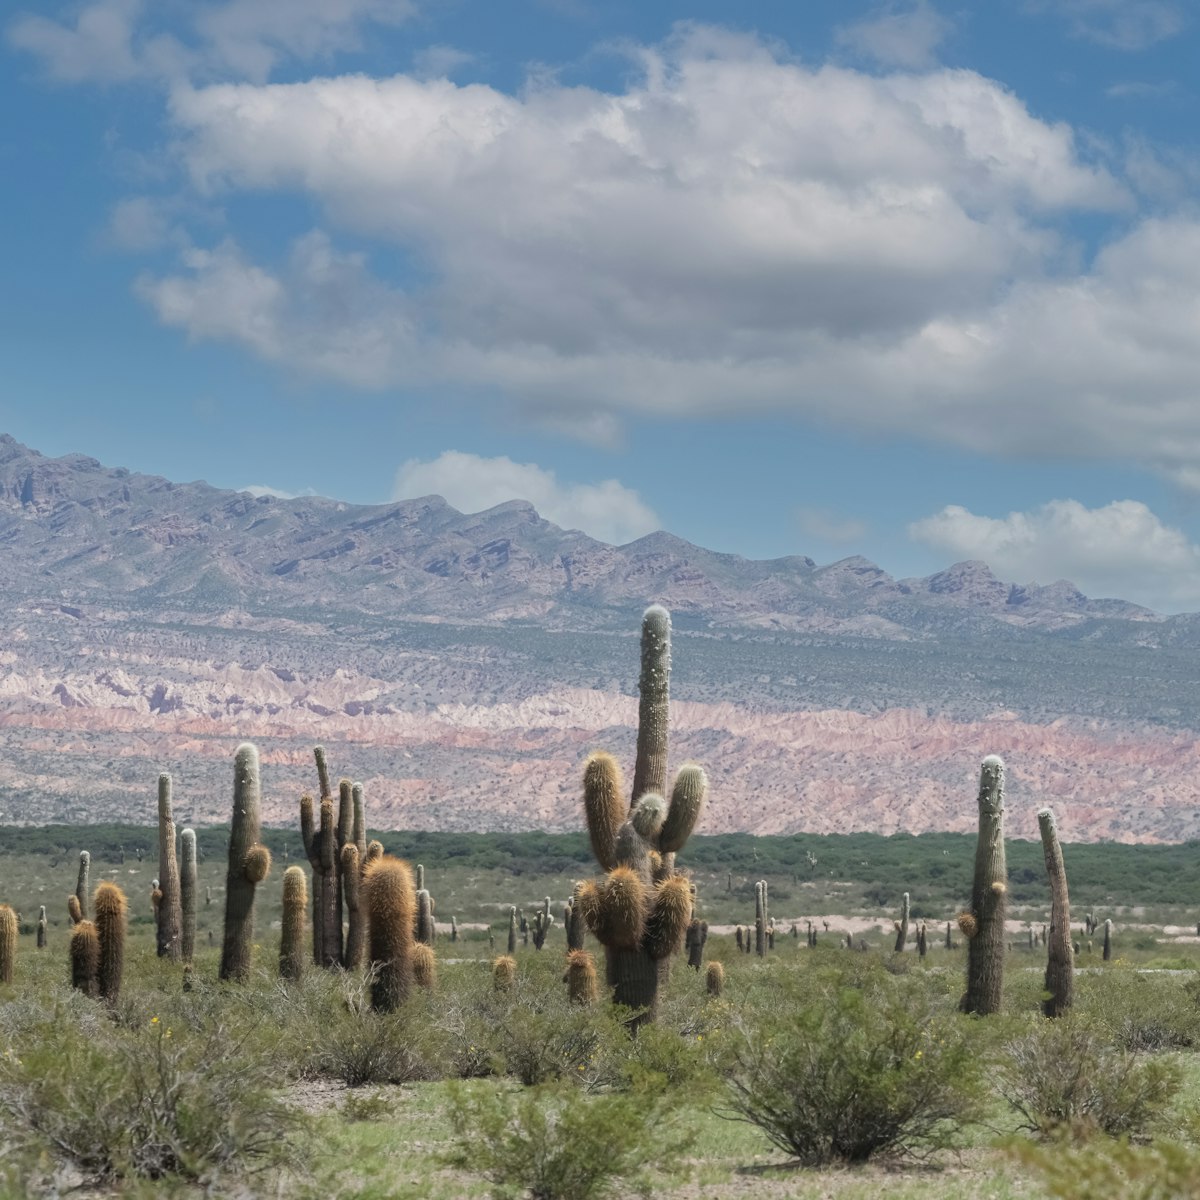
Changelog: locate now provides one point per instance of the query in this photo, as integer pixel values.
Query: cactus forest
(196, 1014)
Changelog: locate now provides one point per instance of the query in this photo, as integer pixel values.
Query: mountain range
(462, 664)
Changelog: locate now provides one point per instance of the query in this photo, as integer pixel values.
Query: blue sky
(916, 281)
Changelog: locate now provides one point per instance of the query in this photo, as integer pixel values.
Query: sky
(918, 281)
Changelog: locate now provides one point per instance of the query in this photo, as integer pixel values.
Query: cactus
(985, 929)
(512, 930)
(576, 926)
(1060, 962)
(580, 978)
(82, 886)
(293, 923)
(902, 925)
(41, 928)
(714, 979)
(170, 914)
(542, 920)
(424, 928)
(922, 941)
(697, 935)
(640, 910)
(391, 908)
(761, 918)
(1107, 939)
(187, 894)
(424, 967)
(739, 936)
(110, 908)
(249, 864)
(504, 972)
(8, 943)
(453, 928)
(85, 959)
(949, 939)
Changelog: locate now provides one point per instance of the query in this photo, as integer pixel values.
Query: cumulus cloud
(608, 510)
(116, 41)
(1128, 25)
(1121, 549)
(898, 35)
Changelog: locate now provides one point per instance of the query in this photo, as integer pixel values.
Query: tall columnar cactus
(641, 908)
(85, 959)
(82, 885)
(542, 920)
(293, 923)
(170, 914)
(312, 848)
(760, 917)
(110, 909)
(187, 894)
(1107, 939)
(424, 926)
(902, 925)
(1060, 958)
(391, 908)
(697, 936)
(353, 864)
(512, 929)
(574, 920)
(580, 978)
(41, 928)
(323, 848)
(8, 943)
(922, 941)
(985, 927)
(249, 864)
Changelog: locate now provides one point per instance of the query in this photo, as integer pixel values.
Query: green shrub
(153, 1102)
(856, 1072)
(1139, 1011)
(556, 1142)
(1102, 1170)
(1063, 1074)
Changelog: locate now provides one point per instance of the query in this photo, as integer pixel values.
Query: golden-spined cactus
(391, 909)
(111, 911)
(424, 966)
(641, 908)
(714, 979)
(504, 972)
(249, 865)
(293, 924)
(74, 909)
(85, 959)
(580, 978)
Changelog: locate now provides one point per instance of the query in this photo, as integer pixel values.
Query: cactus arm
(687, 801)
(650, 767)
(322, 772)
(603, 805)
(902, 925)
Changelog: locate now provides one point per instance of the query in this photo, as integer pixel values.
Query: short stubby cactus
(714, 979)
(983, 925)
(8, 943)
(249, 864)
(111, 911)
(391, 910)
(641, 908)
(580, 978)
(424, 966)
(504, 972)
(85, 959)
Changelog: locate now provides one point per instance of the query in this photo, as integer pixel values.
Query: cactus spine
(391, 907)
(82, 886)
(580, 978)
(170, 916)
(110, 909)
(249, 864)
(985, 928)
(293, 923)
(902, 925)
(187, 894)
(85, 959)
(641, 909)
(41, 928)
(1060, 959)
(8, 943)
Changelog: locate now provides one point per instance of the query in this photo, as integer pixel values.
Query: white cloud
(608, 510)
(261, 489)
(440, 62)
(1121, 24)
(116, 41)
(832, 527)
(1121, 549)
(898, 35)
